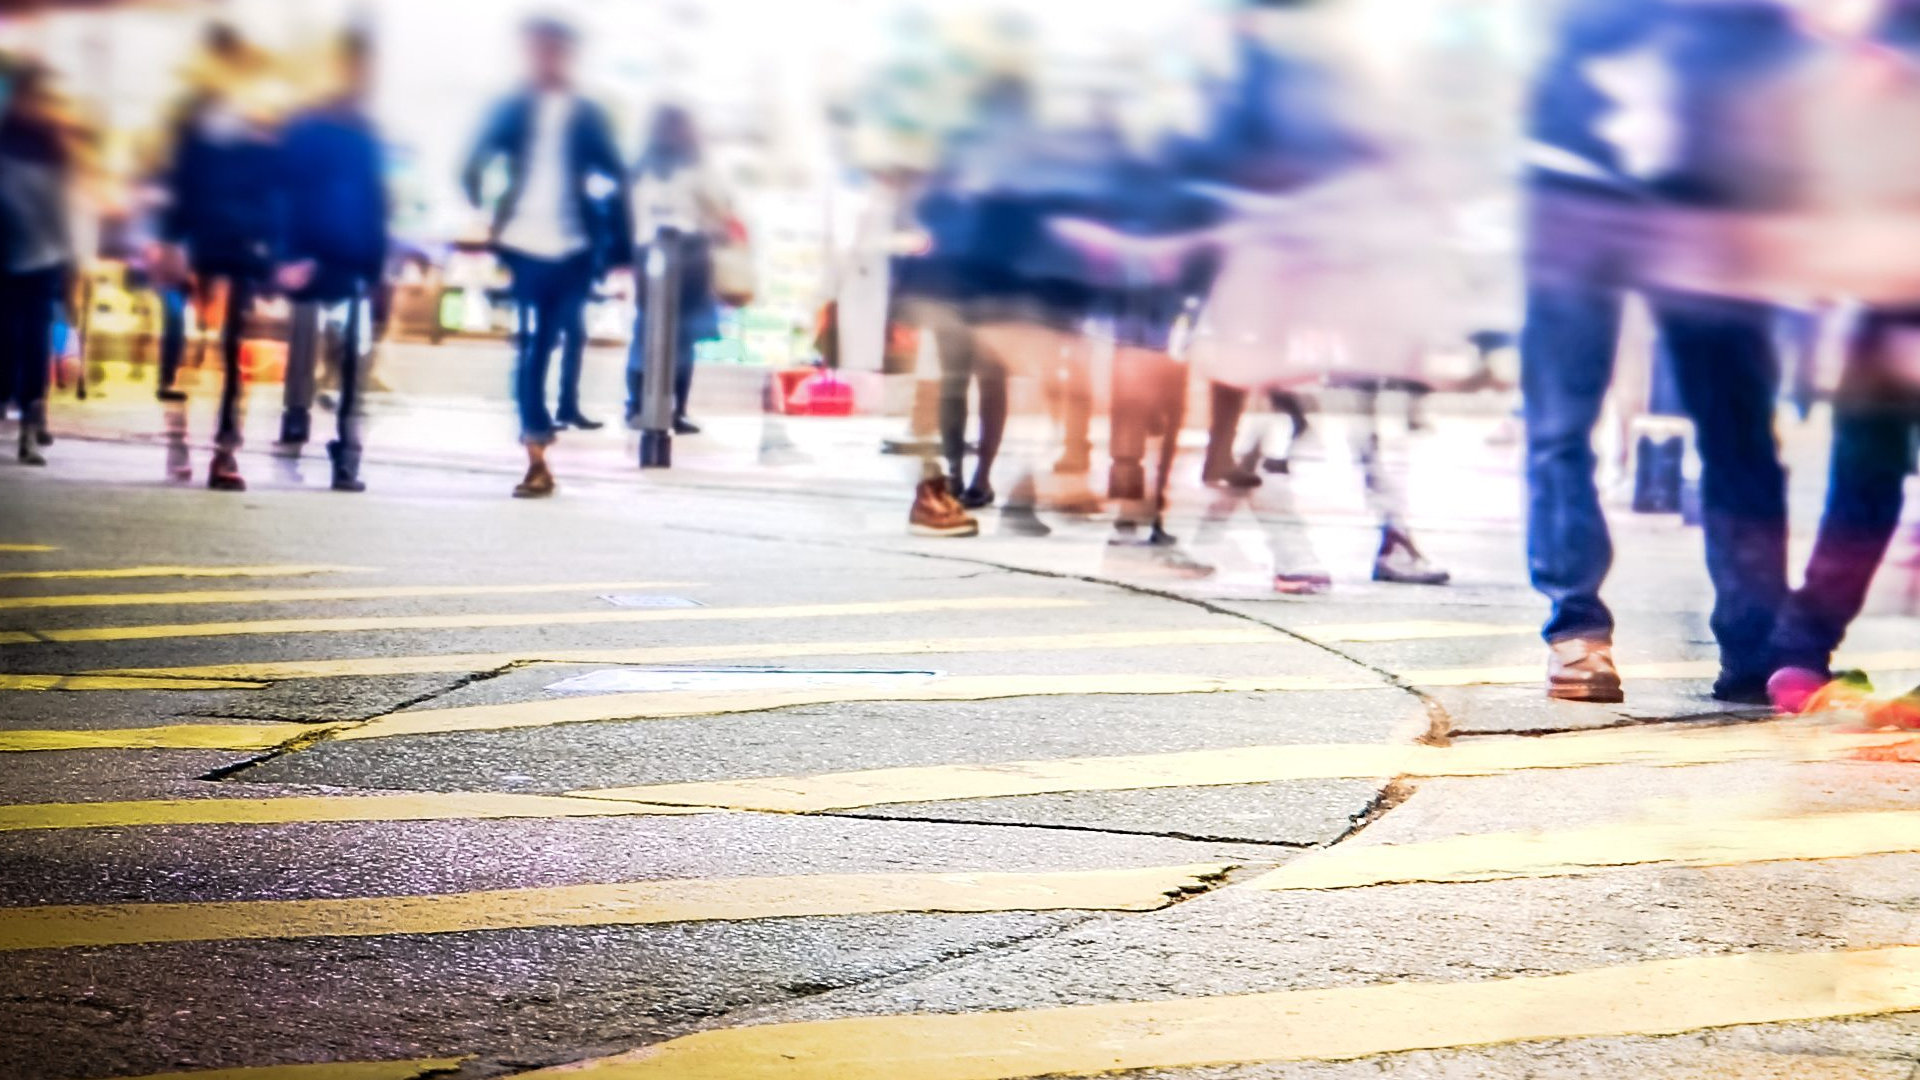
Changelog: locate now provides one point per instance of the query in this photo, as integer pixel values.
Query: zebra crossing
(1636, 996)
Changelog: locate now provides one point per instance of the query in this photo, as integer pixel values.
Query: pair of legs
(1728, 375)
(547, 296)
(965, 361)
(637, 372)
(26, 348)
(1876, 424)
(320, 328)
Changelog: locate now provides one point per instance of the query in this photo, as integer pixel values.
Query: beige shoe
(1582, 670)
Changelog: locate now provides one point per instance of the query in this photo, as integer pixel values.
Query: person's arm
(491, 144)
(603, 159)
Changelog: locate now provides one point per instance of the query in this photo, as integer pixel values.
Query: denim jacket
(596, 177)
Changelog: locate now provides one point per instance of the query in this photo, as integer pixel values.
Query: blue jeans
(1727, 375)
(1876, 421)
(548, 294)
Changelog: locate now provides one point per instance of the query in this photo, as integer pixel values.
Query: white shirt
(546, 221)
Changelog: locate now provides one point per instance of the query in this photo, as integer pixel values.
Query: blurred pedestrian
(220, 215)
(1722, 349)
(682, 211)
(1876, 431)
(560, 224)
(332, 240)
(36, 249)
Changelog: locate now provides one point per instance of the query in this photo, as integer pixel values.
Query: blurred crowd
(1269, 230)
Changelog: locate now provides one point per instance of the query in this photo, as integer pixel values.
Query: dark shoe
(1741, 688)
(346, 467)
(936, 513)
(1020, 520)
(1582, 670)
(42, 436)
(170, 394)
(538, 484)
(1400, 563)
(1276, 466)
(684, 426)
(978, 496)
(296, 427)
(29, 448)
(578, 423)
(224, 473)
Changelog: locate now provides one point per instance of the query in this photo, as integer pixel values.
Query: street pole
(662, 299)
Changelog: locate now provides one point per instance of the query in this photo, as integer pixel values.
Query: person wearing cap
(560, 223)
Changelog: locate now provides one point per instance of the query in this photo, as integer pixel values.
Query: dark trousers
(240, 293)
(693, 268)
(548, 295)
(573, 355)
(173, 333)
(26, 337)
(1727, 375)
(1876, 423)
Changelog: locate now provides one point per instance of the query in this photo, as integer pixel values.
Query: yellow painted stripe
(25, 549)
(621, 904)
(287, 570)
(16, 637)
(1662, 997)
(1501, 856)
(168, 737)
(661, 705)
(1412, 630)
(1901, 660)
(281, 596)
(118, 682)
(366, 666)
(425, 806)
(325, 1070)
(547, 618)
(1253, 765)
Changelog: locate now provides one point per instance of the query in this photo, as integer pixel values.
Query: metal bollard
(662, 298)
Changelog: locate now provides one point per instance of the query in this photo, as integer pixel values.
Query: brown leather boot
(1579, 669)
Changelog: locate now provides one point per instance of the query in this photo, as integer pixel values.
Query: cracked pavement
(918, 785)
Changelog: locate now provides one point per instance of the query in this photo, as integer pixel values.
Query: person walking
(680, 210)
(333, 238)
(560, 224)
(36, 250)
(220, 214)
(1722, 348)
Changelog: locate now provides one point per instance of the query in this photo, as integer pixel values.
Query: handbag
(734, 276)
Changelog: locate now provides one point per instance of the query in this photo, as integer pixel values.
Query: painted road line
(1647, 747)
(1410, 630)
(25, 549)
(119, 682)
(631, 903)
(325, 1070)
(663, 705)
(1661, 997)
(369, 666)
(283, 596)
(290, 570)
(423, 806)
(542, 618)
(167, 737)
(1902, 660)
(1571, 852)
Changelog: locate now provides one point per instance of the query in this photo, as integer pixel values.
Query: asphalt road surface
(672, 780)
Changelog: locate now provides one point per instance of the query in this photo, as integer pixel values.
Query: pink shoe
(1792, 688)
